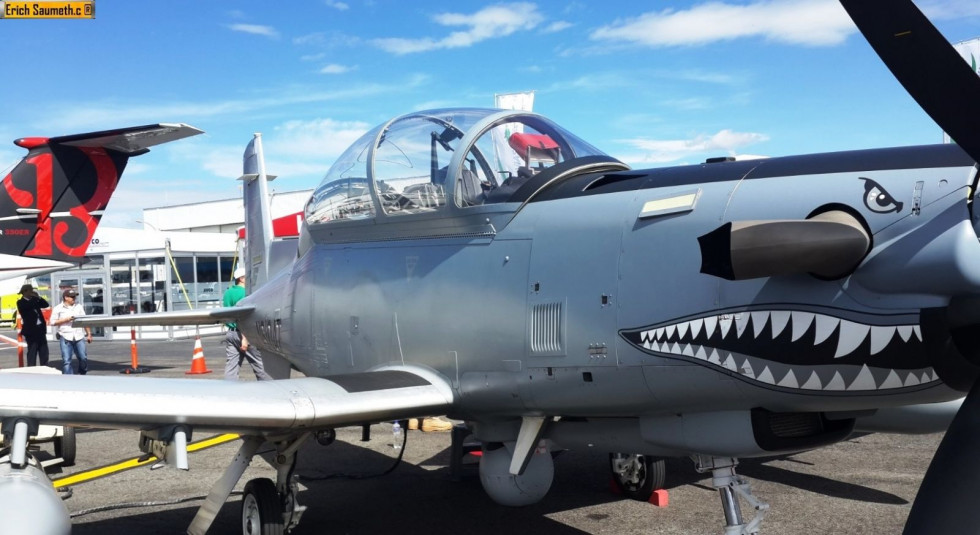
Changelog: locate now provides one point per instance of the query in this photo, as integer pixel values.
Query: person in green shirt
(237, 348)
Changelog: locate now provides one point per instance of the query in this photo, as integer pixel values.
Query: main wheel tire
(64, 446)
(636, 475)
(261, 508)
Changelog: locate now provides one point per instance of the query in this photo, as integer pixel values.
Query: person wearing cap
(33, 327)
(237, 348)
(72, 340)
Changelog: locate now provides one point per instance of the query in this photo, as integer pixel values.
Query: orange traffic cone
(197, 361)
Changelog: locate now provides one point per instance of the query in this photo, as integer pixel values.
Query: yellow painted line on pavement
(95, 473)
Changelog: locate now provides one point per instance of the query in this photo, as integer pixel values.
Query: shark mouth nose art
(798, 350)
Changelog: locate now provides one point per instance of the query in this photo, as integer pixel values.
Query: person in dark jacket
(33, 326)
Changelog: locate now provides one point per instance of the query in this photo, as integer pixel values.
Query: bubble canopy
(441, 161)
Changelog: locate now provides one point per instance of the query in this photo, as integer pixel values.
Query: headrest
(521, 142)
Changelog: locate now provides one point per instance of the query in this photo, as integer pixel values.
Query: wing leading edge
(254, 408)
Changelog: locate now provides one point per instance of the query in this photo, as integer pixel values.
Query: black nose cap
(952, 343)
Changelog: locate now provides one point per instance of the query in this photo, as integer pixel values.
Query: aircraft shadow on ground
(342, 498)
(681, 472)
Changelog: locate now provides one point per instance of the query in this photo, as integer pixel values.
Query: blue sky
(654, 84)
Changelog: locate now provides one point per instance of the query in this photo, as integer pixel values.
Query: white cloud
(255, 29)
(949, 9)
(135, 168)
(318, 38)
(68, 117)
(223, 161)
(400, 46)
(293, 157)
(661, 151)
(313, 57)
(293, 149)
(557, 26)
(319, 138)
(434, 104)
(594, 81)
(335, 68)
(339, 6)
(702, 76)
(690, 103)
(490, 22)
(327, 40)
(797, 22)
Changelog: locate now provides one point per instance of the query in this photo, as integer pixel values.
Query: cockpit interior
(445, 161)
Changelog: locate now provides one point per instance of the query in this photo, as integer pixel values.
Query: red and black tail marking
(52, 201)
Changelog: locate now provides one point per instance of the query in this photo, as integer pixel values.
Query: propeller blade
(946, 500)
(947, 89)
(925, 63)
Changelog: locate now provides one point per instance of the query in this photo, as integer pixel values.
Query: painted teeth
(801, 322)
(800, 377)
(813, 383)
(779, 320)
(725, 324)
(851, 335)
(682, 339)
(789, 380)
(759, 320)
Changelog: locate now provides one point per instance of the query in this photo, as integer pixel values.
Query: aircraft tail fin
(258, 217)
(52, 200)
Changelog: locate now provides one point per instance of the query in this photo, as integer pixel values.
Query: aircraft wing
(202, 316)
(253, 408)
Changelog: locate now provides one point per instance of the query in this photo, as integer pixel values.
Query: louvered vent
(547, 334)
(789, 425)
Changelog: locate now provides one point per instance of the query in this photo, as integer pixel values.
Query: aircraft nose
(940, 258)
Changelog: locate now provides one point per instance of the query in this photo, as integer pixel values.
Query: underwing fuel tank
(31, 505)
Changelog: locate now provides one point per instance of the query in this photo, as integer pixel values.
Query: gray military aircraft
(492, 266)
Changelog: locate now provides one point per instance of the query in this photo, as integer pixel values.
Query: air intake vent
(547, 329)
(790, 425)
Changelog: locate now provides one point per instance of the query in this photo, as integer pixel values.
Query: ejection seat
(470, 190)
(538, 152)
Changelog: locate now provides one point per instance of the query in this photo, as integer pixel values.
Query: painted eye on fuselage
(877, 199)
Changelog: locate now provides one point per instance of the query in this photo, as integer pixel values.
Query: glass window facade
(145, 282)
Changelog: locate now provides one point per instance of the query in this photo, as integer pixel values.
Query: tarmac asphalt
(864, 485)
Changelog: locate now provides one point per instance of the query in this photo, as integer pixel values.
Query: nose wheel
(637, 476)
(261, 508)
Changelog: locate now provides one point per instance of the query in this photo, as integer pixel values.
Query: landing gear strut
(730, 487)
(267, 508)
